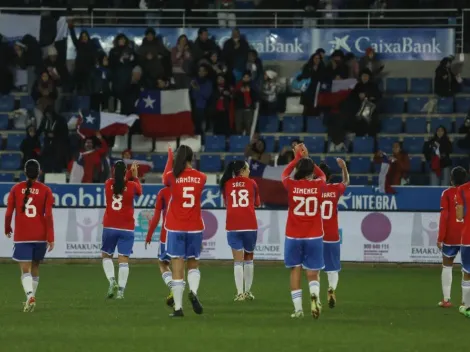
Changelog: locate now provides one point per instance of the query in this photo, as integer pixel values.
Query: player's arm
(103, 149)
(344, 171)
(49, 219)
(155, 219)
(443, 219)
(9, 212)
(319, 173)
(289, 168)
(459, 210)
(257, 198)
(168, 167)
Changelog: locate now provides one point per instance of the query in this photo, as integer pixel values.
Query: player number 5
(30, 210)
(242, 201)
(189, 198)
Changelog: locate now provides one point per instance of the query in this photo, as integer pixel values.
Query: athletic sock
(167, 278)
(123, 275)
(466, 293)
(333, 278)
(194, 277)
(238, 273)
(314, 287)
(297, 300)
(446, 281)
(177, 287)
(108, 268)
(248, 272)
(35, 284)
(27, 282)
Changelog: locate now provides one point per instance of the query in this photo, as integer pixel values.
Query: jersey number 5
(189, 198)
(242, 200)
(30, 210)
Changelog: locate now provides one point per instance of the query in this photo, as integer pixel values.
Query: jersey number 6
(30, 210)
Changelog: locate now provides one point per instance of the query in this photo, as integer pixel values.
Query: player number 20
(189, 198)
(240, 198)
(30, 210)
(309, 207)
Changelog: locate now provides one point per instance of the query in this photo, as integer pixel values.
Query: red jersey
(304, 218)
(36, 223)
(462, 197)
(184, 210)
(119, 213)
(450, 230)
(329, 210)
(161, 205)
(241, 197)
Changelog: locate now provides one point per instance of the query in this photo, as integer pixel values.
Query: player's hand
(147, 243)
(439, 245)
(169, 148)
(98, 135)
(341, 163)
(8, 234)
(302, 149)
(50, 246)
(135, 169)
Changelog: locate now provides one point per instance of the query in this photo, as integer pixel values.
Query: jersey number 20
(308, 206)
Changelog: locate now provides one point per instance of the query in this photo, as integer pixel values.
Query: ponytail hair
(120, 170)
(184, 155)
(232, 170)
(304, 168)
(31, 170)
(326, 170)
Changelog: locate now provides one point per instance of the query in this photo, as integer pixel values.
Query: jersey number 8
(30, 210)
(242, 201)
(309, 207)
(117, 202)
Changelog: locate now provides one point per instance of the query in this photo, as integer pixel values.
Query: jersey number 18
(240, 198)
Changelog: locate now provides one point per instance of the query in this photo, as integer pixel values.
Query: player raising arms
(450, 233)
(184, 225)
(331, 241)
(304, 231)
(161, 206)
(241, 197)
(34, 228)
(118, 225)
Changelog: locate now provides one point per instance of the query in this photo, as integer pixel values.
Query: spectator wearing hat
(245, 101)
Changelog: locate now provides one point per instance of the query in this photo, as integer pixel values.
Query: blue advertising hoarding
(296, 44)
(355, 198)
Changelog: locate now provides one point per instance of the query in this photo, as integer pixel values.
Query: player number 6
(30, 210)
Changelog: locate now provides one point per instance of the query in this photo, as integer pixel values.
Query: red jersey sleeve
(138, 187)
(443, 217)
(459, 196)
(341, 188)
(48, 216)
(169, 165)
(257, 198)
(10, 209)
(156, 217)
(319, 173)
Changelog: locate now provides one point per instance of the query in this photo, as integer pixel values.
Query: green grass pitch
(379, 309)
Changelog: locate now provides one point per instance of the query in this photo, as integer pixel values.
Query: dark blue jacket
(202, 95)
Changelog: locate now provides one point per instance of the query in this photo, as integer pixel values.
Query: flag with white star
(269, 181)
(108, 124)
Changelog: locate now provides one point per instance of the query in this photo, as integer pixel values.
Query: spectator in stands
(256, 151)
(225, 17)
(93, 153)
(134, 86)
(30, 146)
(372, 63)
(152, 68)
(245, 99)
(313, 72)
(235, 54)
(44, 91)
(85, 59)
(337, 68)
(287, 153)
(464, 143)
(221, 111)
(445, 81)
(57, 71)
(255, 67)
(268, 100)
(399, 165)
(6, 76)
(352, 65)
(216, 67)
(181, 59)
(437, 153)
(154, 45)
(203, 45)
(100, 84)
(201, 93)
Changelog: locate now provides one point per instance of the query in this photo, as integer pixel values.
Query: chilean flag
(108, 124)
(165, 113)
(268, 179)
(144, 165)
(332, 93)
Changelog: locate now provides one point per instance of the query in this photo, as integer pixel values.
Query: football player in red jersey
(450, 233)
(161, 206)
(34, 228)
(304, 230)
(118, 225)
(331, 240)
(241, 197)
(184, 225)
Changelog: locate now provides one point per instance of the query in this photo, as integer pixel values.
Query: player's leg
(23, 254)
(124, 246)
(193, 252)
(249, 244)
(176, 245)
(39, 252)
(313, 262)
(331, 254)
(108, 246)
(235, 241)
(465, 307)
(293, 261)
(448, 256)
(164, 265)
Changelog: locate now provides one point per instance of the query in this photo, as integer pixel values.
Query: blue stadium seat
(466, 85)
(392, 125)
(461, 161)
(4, 121)
(333, 164)
(230, 157)
(159, 162)
(441, 121)
(26, 102)
(363, 145)
(7, 103)
(7, 177)
(392, 105)
(385, 144)
(292, 124)
(268, 124)
(416, 164)
(413, 145)
(359, 165)
(10, 161)
(315, 125)
(238, 143)
(14, 141)
(397, 85)
(416, 125)
(421, 85)
(359, 180)
(210, 163)
(140, 156)
(286, 141)
(315, 144)
(22, 177)
(214, 143)
(459, 121)
(462, 104)
(456, 148)
(270, 142)
(416, 104)
(375, 180)
(445, 105)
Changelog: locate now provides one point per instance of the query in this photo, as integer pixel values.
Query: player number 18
(242, 200)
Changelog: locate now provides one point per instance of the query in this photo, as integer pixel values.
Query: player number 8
(30, 210)
(117, 202)
(242, 201)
